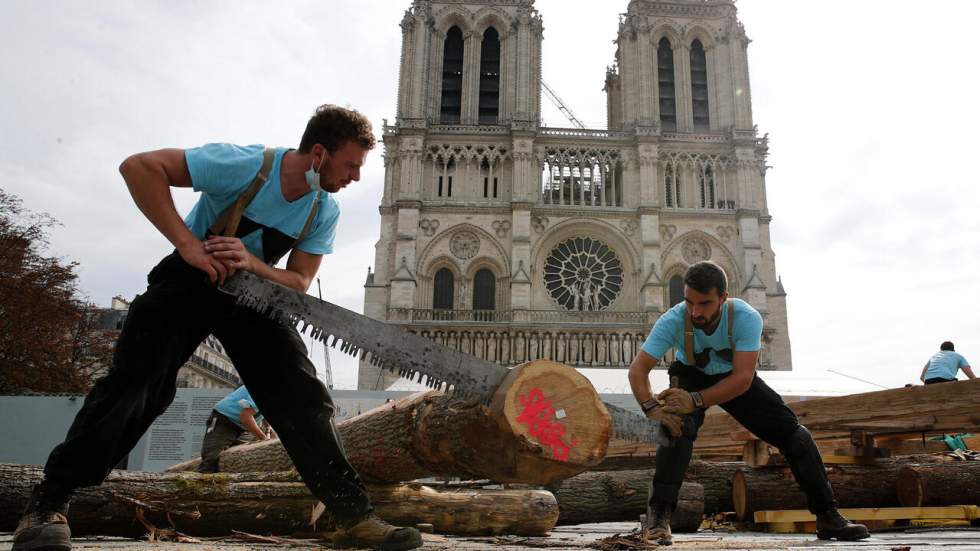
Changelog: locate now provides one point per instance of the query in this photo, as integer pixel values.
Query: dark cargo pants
(760, 410)
(164, 326)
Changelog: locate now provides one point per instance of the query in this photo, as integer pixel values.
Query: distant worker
(232, 417)
(943, 365)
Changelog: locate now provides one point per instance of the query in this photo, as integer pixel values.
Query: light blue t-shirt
(222, 172)
(944, 365)
(231, 406)
(668, 333)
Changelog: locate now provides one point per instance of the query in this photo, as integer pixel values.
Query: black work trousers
(164, 326)
(221, 434)
(760, 410)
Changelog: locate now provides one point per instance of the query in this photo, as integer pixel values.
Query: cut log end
(558, 413)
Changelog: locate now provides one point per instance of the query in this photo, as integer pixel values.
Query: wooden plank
(962, 512)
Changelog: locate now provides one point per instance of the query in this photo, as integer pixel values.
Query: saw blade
(394, 348)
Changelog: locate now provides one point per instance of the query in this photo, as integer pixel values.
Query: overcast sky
(870, 106)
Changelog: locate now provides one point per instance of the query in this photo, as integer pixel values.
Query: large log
(939, 484)
(618, 496)
(544, 423)
(269, 503)
(855, 486)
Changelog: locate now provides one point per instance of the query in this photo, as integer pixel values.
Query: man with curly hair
(256, 205)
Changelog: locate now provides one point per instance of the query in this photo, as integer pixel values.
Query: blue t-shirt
(222, 172)
(668, 333)
(231, 406)
(944, 365)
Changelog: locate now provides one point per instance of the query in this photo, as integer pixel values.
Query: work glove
(677, 400)
(672, 423)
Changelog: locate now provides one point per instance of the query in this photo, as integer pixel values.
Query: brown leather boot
(831, 524)
(374, 533)
(44, 526)
(658, 524)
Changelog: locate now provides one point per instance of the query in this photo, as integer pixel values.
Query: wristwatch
(698, 401)
(648, 405)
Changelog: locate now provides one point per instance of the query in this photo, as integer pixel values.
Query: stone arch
(605, 231)
(428, 275)
(459, 16)
(668, 30)
(484, 261)
(485, 237)
(720, 254)
(699, 32)
(491, 16)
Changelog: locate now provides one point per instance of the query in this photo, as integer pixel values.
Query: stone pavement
(582, 536)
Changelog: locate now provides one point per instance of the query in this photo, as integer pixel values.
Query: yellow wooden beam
(964, 512)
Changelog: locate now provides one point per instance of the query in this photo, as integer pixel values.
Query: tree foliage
(49, 339)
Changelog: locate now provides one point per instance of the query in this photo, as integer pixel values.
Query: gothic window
(706, 185)
(665, 79)
(444, 180)
(489, 77)
(699, 86)
(670, 198)
(452, 77)
(583, 274)
(676, 289)
(484, 294)
(442, 290)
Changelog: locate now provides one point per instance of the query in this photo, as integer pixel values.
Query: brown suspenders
(689, 333)
(227, 222)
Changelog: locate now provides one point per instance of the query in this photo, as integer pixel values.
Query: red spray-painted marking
(537, 415)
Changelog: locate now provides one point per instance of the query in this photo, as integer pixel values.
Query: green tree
(48, 339)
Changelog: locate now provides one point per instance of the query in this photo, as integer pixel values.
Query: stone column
(682, 74)
(471, 78)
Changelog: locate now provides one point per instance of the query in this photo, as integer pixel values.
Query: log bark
(545, 423)
(773, 487)
(714, 476)
(620, 496)
(269, 503)
(939, 484)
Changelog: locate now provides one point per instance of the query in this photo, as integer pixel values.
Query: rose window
(583, 274)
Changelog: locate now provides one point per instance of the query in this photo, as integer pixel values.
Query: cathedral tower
(513, 241)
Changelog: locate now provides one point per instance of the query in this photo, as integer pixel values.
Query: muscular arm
(300, 269)
(639, 376)
(743, 371)
(247, 417)
(149, 177)
(969, 372)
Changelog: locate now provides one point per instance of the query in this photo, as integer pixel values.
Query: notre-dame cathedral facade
(514, 241)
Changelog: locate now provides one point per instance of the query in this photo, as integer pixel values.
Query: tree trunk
(939, 484)
(620, 496)
(269, 503)
(773, 487)
(545, 423)
(716, 477)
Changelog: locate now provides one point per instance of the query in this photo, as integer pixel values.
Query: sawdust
(632, 542)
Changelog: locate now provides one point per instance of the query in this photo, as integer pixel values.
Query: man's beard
(707, 322)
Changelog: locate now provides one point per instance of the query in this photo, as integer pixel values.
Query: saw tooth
(333, 343)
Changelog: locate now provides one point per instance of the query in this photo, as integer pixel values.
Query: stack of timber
(896, 419)
(129, 504)
(908, 481)
(620, 496)
(545, 423)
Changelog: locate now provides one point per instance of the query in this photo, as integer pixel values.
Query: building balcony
(435, 317)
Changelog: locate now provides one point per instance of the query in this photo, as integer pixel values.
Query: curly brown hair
(331, 126)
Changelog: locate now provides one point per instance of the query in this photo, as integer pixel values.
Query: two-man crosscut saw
(393, 348)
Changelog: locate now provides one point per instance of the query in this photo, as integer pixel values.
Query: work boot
(831, 524)
(374, 533)
(658, 524)
(44, 526)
